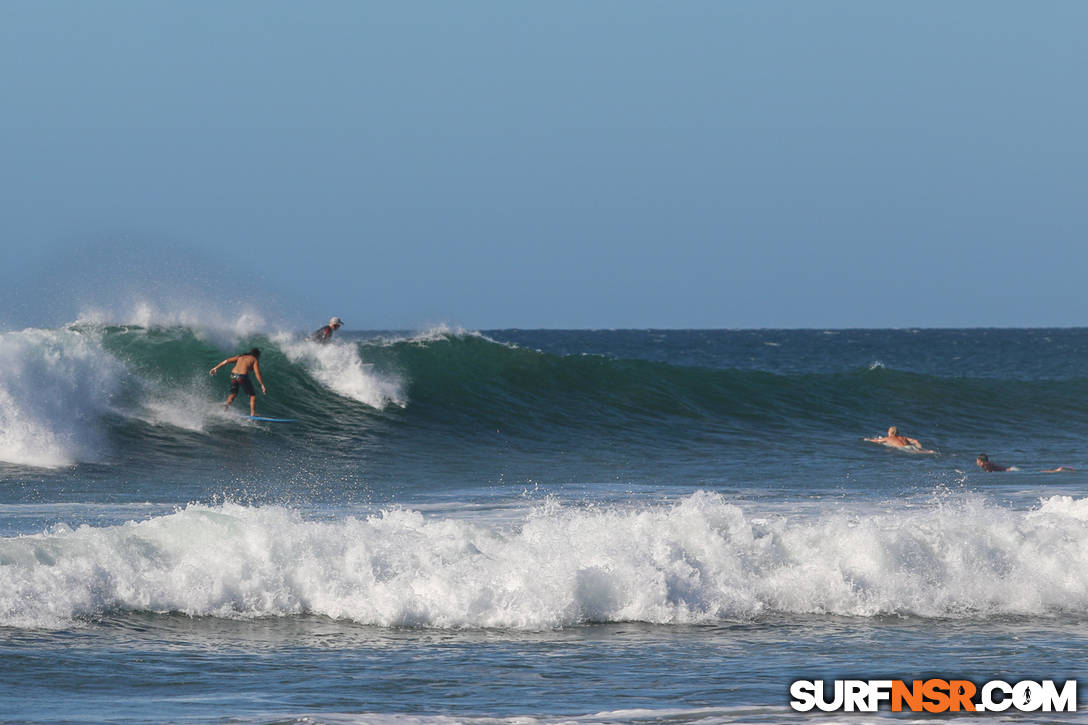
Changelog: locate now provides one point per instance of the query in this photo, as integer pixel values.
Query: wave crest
(338, 366)
(54, 386)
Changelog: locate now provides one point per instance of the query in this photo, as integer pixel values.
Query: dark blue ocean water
(587, 526)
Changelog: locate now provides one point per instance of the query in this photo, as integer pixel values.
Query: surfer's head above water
(255, 352)
(895, 440)
(983, 462)
(325, 333)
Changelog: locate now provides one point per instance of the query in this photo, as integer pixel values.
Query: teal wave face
(150, 392)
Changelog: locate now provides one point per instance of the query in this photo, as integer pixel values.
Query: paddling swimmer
(239, 376)
(983, 462)
(895, 440)
(325, 333)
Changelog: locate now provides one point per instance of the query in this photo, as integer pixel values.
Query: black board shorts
(237, 379)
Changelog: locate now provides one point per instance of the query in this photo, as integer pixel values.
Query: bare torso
(244, 364)
(900, 441)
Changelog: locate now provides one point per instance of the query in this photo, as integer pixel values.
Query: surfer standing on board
(895, 440)
(239, 376)
(325, 333)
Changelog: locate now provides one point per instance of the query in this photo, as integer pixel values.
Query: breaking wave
(701, 560)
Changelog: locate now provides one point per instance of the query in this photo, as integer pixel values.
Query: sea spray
(338, 367)
(208, 321)
(55, 385)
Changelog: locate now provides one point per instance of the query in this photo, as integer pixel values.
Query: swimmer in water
(983, 462)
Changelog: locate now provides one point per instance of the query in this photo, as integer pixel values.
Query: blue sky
(549, 164)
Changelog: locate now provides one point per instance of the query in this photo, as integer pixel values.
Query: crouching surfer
(325, 333)
(239, 377)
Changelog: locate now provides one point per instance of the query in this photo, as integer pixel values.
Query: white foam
(692, 716)
(439, 333)
(57, 385)
(700, 560)
(338, 367)
(1063, 506)
(443, 331)
(54, 386)
(222, 326)
(187, 408)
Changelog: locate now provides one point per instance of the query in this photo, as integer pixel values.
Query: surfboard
(904, 449)
(270, 420)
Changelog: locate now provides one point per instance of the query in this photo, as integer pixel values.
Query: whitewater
(699, 561)
(548, 526)
(92, 371)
